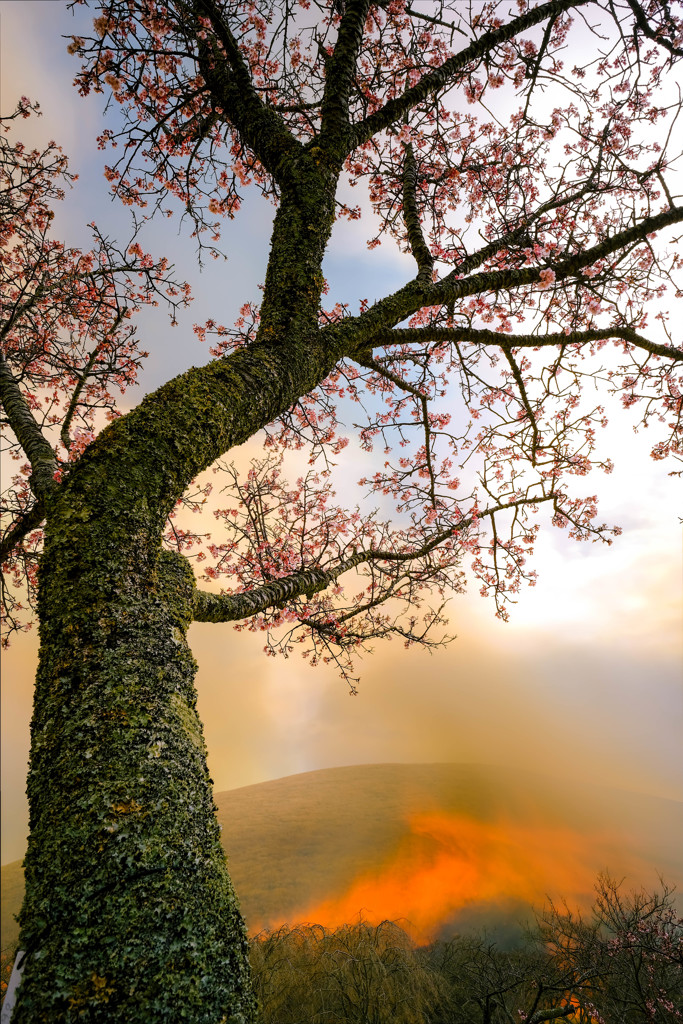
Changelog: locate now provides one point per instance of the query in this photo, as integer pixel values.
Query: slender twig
(28, 521)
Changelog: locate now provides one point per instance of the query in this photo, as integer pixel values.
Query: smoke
(451, 871)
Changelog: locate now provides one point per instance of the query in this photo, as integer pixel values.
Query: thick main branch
(229, 80)
(339, 73)
(38, 449)
(183, 427)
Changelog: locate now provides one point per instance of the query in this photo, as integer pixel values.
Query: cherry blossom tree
(523, 156)
(620, 963)
(624, 962)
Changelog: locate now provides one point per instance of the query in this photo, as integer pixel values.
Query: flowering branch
(453, 287)
(445, 75)
(481, 336)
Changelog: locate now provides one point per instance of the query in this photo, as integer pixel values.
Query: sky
(584, 682)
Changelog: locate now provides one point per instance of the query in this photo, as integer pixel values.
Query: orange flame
(447, 862)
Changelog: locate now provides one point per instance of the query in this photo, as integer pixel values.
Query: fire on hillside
(447, 863)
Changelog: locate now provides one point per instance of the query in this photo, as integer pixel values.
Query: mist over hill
(442, 846)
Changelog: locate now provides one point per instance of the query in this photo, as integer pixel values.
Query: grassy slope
(299, 840)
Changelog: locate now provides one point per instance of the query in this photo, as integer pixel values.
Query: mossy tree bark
(129, 910)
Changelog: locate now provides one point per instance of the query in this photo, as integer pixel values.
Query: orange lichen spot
(127, 807)
(96, 988)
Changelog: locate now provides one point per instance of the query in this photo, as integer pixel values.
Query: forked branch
(261, 127)
(645, 25)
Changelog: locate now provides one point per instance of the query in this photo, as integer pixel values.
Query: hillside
(442, 845)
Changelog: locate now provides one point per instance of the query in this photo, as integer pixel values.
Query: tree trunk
(129, 914)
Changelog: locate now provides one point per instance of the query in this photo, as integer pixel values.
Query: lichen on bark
(129, 911)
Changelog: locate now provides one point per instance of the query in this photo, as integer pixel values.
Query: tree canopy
(531, 190)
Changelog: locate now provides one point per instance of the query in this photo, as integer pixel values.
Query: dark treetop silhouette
(533, 194)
